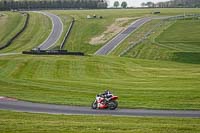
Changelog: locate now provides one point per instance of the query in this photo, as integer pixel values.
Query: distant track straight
(111, 45)
(55, 33)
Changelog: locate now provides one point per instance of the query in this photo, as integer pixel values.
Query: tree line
(51, 4)
(173, 4)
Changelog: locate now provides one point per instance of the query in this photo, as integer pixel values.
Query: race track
(22, 106)
(56, 32)
(111, 45)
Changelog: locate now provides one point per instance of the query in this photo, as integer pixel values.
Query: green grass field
(183, 31)
(76, 80)
(10, 24)
(42, 123)
(35, 33)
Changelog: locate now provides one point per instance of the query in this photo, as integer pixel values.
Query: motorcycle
(105, 103)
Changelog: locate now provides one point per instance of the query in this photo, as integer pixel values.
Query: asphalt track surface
(55, 33)
(111, 45)
(22, 106)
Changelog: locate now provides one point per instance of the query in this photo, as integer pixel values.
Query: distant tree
(116, 4)
(179, 3)
(102, 5)
(143, 4)
(124, 4)
(150, 4)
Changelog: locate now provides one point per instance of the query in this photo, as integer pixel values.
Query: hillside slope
(35, 33)
(76, 80)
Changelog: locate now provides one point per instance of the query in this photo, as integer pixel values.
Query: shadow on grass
(187, 57)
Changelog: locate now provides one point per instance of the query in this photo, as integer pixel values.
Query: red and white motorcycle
(105, 103)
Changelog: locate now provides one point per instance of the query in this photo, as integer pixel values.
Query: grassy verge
(149, 48)
(10, 24)
(42, 123)
(76, 80)
(35, 33)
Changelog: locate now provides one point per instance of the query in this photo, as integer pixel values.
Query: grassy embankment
(42, 123)
(76, 80)
(10, 24)
(35, 33)
(176, 41)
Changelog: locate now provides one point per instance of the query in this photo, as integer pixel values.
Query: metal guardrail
(178, 17)
(67, 34)
(8, 43)
(52, 52)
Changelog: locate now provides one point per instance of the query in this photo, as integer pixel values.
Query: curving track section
(55, 33)
(22, 106)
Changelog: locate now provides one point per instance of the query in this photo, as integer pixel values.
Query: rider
(107, 95)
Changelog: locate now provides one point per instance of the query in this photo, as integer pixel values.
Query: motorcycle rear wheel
(113, 105)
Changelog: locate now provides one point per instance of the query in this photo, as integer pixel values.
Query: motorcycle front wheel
(94, 105)
(112, 105)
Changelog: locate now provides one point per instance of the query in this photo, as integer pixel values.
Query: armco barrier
(14, 37)
(67, 34)
(52, 52)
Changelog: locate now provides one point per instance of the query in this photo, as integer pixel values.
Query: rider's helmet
(107, 92)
